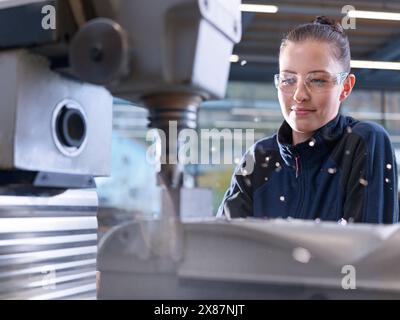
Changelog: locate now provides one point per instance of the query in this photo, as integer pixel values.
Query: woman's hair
(326, 30)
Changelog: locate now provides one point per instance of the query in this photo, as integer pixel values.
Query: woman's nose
(301, 93)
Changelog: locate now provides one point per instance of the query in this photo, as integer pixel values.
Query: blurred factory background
(251, 100)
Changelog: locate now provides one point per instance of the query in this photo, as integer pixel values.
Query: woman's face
(303, 110)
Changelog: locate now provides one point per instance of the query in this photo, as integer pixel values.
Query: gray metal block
(32, 99)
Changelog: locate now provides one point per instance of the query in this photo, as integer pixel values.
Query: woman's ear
(348, 85)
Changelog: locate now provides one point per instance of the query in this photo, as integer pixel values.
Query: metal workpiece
(51, 123)
(151, 247)
(145, 247)
(255, 259)
(48, 243)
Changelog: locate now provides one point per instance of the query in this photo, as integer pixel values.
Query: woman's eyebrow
(317, 71)
(290, 71)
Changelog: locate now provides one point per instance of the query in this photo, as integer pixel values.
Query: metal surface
(99, 52)
(48, 244)
(170, 45)
(174, 46)
(31, 93)
(178, 110)
(253, 259)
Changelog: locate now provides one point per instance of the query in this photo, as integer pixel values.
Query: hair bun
(322, 20)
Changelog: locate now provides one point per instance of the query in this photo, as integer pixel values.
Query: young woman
(320, 164)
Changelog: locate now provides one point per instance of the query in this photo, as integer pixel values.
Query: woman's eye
(288, 81)
(318, 81)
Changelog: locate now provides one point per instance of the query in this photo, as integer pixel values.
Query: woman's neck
(299, 137)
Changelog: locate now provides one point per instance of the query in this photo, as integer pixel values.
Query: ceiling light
(378, 15)
(258, 8)
(385, 65)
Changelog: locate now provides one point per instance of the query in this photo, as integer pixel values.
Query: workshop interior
(95, 95)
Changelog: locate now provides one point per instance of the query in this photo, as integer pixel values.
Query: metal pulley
(99, 52)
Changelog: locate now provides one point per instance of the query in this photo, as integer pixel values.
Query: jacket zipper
(297, 159)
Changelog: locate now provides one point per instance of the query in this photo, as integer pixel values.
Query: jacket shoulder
(368, 129)
(266, 144)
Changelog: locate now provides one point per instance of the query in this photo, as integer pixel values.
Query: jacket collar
(314, 149)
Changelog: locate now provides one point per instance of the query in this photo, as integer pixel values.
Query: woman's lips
(302, 112)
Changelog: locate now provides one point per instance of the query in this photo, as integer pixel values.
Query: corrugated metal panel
(48, 245)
